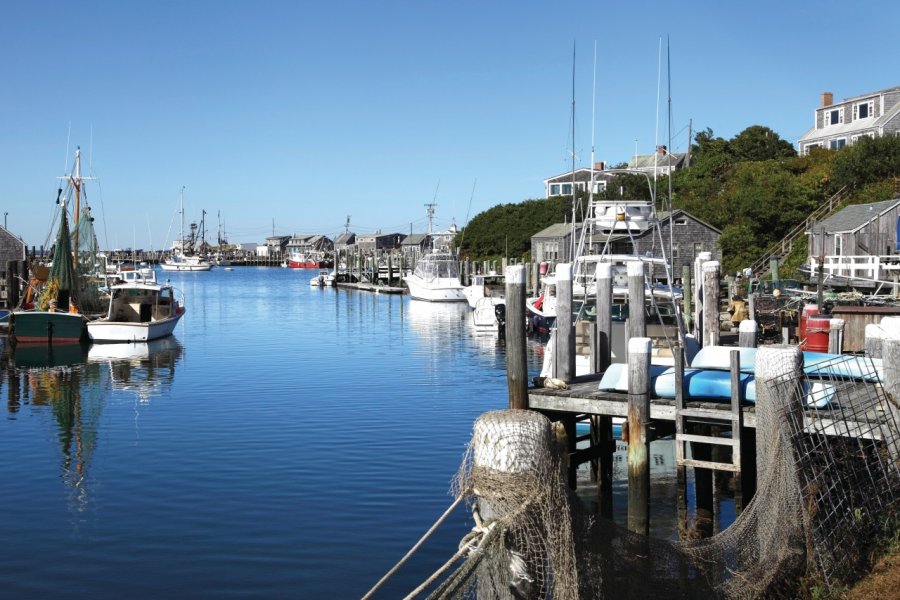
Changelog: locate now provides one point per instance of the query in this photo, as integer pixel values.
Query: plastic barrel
(809, 310)
(816, 339)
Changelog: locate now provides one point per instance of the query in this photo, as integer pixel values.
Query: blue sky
(295, 114)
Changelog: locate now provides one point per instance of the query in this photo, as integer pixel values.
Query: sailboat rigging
(185, 257)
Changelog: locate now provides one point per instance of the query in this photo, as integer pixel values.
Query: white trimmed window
(554, 189)
(864, 110)
(837, 144)
(838, 245)
(834, 116)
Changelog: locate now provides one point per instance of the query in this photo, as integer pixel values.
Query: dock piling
(637, 312)
(604, 317)
(638, 434)
(565, 332)
(710, 303)
(516, 358)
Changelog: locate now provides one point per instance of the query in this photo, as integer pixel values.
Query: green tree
(867, 161)
(759, 143)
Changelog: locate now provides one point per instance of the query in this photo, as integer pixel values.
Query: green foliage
(506, 229)
(753, 187)
(759, 143)
(867, 161)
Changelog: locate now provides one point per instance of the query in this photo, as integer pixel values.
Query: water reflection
(71, 383)
(429, 318)
(145, 369)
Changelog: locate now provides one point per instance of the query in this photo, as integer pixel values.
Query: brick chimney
(599, 166)
(827, 99)
(661, 150)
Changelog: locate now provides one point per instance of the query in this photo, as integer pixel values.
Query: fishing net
(828, 480)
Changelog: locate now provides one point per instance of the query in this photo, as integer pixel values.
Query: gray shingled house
(837, 125)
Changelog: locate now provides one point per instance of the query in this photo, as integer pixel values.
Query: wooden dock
(371, 287)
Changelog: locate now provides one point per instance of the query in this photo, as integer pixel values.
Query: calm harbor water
(287, 442)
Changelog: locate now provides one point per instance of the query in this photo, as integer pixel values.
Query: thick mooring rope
(412, 550)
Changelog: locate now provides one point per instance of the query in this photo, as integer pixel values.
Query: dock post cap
(604, 270)
(564, 271)
(710, 266)
(515, 274)
(835, 324)
(639, 345)
(776, 361)
(747, 326)
(634, 268)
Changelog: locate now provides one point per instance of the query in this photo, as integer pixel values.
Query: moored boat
(140, 309)
(184, 258)
(436, 279)
(59, 294)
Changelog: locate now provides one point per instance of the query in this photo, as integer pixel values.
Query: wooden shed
(12, 249)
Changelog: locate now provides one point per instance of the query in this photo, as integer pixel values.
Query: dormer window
(864, 110)
(834, 116)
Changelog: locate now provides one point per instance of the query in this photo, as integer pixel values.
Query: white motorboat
(140, 309)
(322, 279)
(485, 317)
(487, 285)
(436, 278)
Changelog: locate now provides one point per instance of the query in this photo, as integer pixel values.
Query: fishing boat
(300, 260)
(185, 257)
(62, 294)
(610, 225)
(141, 309)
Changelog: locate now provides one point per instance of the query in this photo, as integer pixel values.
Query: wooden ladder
(732, 419)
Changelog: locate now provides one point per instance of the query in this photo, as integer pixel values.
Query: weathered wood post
(873, 341)
(565, 332)
(687, 298)
(747, 333)
(711, 303)
(890, 350)
(835, 336)
(680, 469)
(773, 267)
(516, 358)
(637, 310)
(701, 258)
(604, 317)
(638, 435)
(751, 306)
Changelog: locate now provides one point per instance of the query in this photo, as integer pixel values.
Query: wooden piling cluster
(718, 435)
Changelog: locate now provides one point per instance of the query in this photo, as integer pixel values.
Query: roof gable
(851, 218)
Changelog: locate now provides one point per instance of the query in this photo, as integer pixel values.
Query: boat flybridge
(618, 232)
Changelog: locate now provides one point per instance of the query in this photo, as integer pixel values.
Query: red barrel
(808, 311)
(816, 339)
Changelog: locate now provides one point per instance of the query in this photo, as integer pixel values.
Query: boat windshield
(437, 266)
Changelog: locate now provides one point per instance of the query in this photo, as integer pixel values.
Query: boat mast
(182, 221)
(76, 181)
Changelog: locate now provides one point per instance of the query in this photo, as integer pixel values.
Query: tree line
(753, 187)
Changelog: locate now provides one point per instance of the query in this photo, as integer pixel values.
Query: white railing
(867, 267)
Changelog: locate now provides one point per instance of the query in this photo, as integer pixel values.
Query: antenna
(68, 139)
(347, 225)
